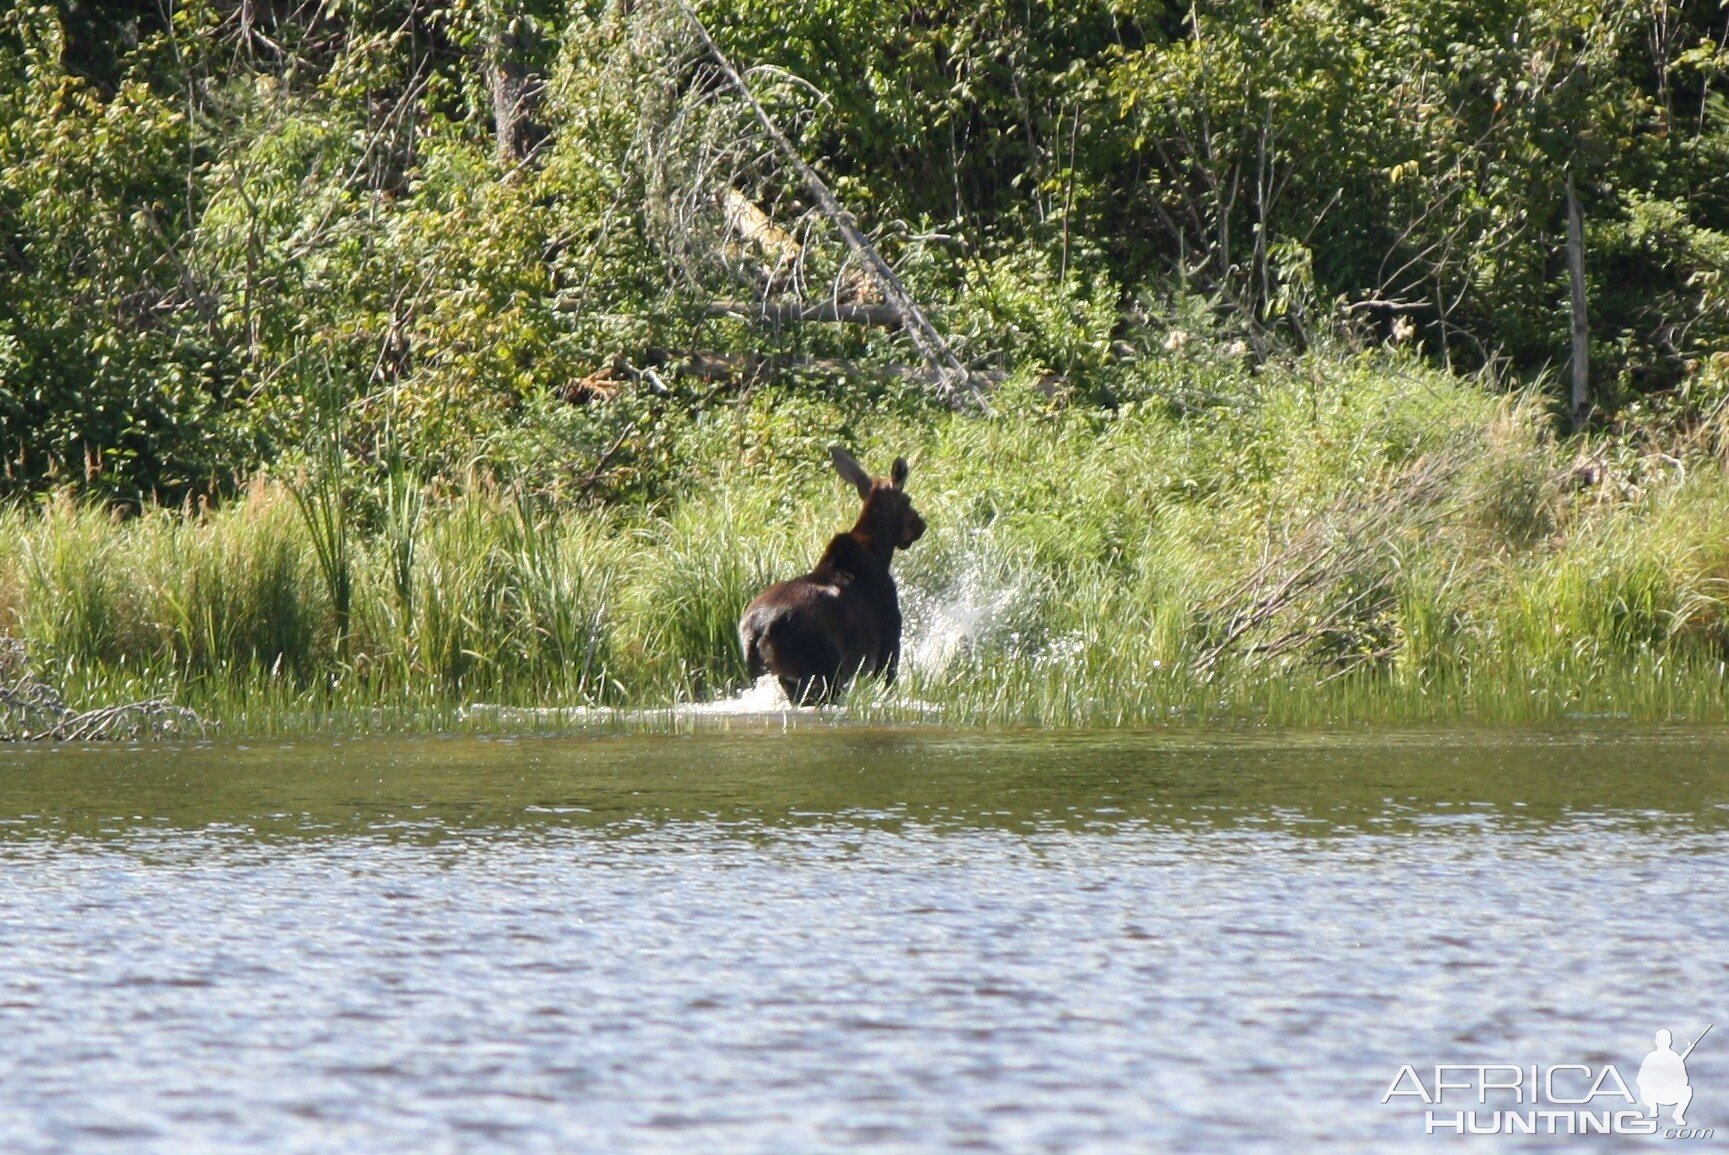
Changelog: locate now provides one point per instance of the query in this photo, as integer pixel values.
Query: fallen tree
(33, 711)
(949, 375)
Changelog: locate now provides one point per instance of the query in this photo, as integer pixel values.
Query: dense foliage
(486, 234)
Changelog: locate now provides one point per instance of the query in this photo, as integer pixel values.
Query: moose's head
(888, 520)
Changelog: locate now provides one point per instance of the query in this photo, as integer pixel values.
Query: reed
(1322, 544)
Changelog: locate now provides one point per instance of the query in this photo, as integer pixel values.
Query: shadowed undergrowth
(1323, 543)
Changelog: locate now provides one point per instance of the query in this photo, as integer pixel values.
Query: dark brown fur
(817, 632)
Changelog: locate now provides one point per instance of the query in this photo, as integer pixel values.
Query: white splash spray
(976, 600)
(761, 702)
(979, 596)
(762, 698)
(974, 607)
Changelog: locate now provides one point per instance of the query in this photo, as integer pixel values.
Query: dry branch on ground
(33, 711)
(1316, 591)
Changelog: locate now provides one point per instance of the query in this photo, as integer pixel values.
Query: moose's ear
(850, 470)
(899, 474)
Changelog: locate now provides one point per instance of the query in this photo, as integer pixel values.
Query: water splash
(978, 605)
(762, 698)
(762, 701)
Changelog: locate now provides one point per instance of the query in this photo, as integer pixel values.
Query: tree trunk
(515, 91)
(1581, 406)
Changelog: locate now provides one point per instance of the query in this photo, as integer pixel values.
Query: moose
(817, 632)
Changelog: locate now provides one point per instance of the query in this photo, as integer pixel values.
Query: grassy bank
(1323, 542)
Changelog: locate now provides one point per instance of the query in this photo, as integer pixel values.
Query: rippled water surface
(811, 941)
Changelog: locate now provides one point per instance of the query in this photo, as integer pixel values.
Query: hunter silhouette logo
(1559, 1099)
(1663, 1077)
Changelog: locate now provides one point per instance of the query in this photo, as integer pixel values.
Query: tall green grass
(1082, 568)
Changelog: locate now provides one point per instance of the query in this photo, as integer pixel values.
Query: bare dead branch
(33, 711)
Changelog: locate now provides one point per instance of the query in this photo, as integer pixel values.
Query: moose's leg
(806, 661)
(888, 657)
(813, 677)
(815, 690)
(753, 660)
(889, 649)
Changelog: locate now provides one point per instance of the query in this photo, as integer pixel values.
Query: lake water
(839, 938)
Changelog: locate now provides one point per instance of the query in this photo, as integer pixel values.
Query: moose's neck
(877, 539)
(880, 547)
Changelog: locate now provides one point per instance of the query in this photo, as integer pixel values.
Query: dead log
(783, 256)
(780, 312)
(720, 368)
